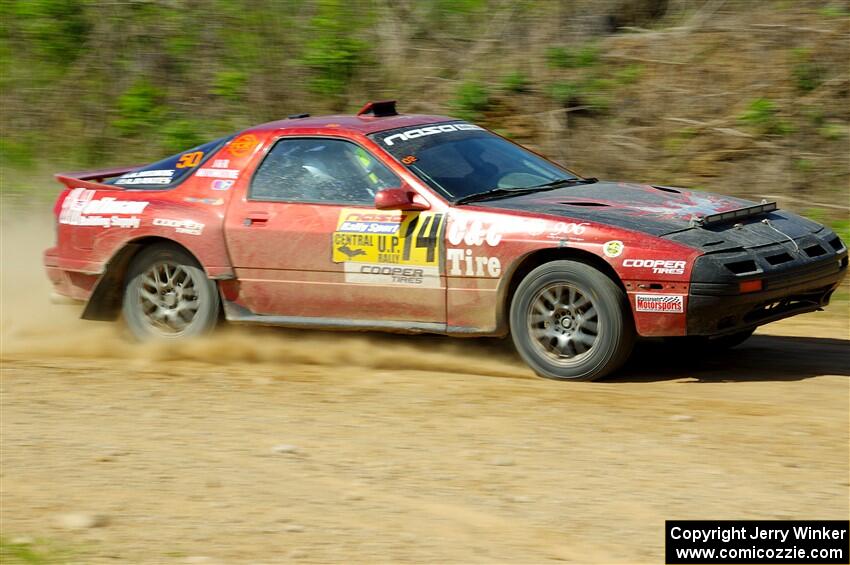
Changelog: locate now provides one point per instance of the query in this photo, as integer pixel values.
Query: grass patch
(32, 552)
(561, 57)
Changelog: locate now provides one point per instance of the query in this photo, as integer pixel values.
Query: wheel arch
(104, 304)
(532, 260)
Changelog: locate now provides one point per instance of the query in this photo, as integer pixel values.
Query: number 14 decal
(426, 231)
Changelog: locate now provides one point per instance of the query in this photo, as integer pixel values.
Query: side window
(320, 170)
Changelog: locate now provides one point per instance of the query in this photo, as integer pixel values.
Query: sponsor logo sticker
(155, 176)
(428, 130)
(80, 208)
(218, 173)
(221, 184)
(613, 248)
(180, 226)
(387, 238)
(405, 275)
(664, 303)
(658, 266)
(466, 263)
(243, 145)
(210, 201)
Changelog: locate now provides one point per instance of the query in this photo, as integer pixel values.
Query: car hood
(656, 210)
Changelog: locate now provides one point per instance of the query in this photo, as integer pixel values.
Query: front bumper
(794, 281)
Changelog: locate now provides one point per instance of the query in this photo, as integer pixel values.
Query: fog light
(750, 286)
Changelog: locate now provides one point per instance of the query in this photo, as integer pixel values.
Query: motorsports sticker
(400, 239)
(665, 303)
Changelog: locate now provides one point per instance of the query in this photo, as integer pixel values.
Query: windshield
(459, 159)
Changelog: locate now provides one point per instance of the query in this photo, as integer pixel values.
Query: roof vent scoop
(379, 109)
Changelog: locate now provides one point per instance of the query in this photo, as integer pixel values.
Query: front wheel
(571, 322)
(168, 295)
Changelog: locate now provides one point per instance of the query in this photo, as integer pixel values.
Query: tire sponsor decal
(665, 303)
(469, 261)
(376, 240)
(373, 273)
(658, 266)
(180, 226)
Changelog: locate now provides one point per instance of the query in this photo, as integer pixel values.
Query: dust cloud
(32, 327)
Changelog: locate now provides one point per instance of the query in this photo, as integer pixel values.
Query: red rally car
(416, 223)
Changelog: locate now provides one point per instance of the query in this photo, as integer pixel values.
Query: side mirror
(399, 199)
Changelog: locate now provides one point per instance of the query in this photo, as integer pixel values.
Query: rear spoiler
(731, 215)
(94, 179)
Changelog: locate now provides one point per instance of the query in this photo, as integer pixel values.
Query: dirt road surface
(280, 446)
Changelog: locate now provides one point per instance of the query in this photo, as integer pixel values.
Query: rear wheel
(168, 295)
(571, 322)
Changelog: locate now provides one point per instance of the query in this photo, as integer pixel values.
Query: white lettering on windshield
(428, 130)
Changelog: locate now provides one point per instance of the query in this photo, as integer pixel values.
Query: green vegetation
(83, 85)
(834, 11)
(763, 116)
(516, 83)
(139, 109)
(471, 99)
(808, 74)
(560, 57)
(333, 54)
(31, 552)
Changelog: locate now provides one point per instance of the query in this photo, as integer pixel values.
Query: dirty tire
(168, 295)
(571, 322)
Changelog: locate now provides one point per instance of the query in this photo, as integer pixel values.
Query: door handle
(256, 218)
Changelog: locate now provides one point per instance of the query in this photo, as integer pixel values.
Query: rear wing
(94, 179)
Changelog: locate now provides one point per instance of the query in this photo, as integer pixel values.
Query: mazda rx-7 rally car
(416, 223)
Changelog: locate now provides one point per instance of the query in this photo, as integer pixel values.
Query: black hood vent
(667, 189)
(585, 204)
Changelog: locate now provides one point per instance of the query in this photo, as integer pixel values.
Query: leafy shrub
(559, 58)
(761, 114)
(832, 130)
(332, 54)
(629, 75)
(229, 84)
(565, 93)
(138, 108)
(470, 100)
(181, 134)
(570, 58)
(808, 74)
(515, 82)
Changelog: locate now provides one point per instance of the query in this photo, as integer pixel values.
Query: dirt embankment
(279, 446)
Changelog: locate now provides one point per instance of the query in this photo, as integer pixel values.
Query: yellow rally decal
(394, 238)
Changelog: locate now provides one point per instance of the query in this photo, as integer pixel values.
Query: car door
(307, 242)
